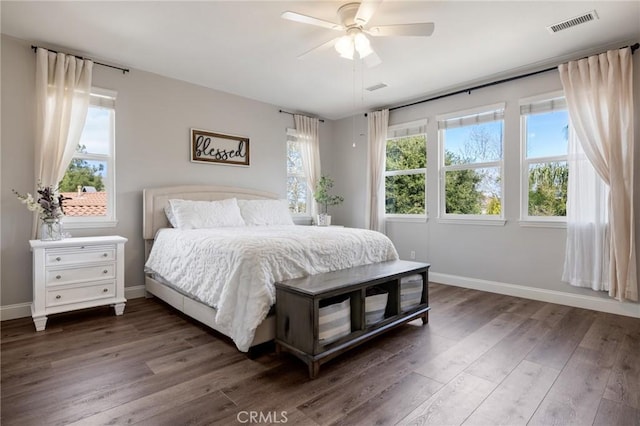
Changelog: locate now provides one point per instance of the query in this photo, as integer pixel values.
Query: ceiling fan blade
(372, 60)
(323, 46)
(423, 29)
(304, 19)
(366, 10)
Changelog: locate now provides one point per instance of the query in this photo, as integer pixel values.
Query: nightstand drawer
(86, 273)
(80, 254)
(67, 295)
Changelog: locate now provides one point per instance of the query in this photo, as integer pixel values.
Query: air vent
(582, 19)
(376, 87)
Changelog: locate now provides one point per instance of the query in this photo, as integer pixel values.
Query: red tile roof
(87, 204)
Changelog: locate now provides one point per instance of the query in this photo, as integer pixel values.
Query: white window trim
(101, 98)
(420, 126)
(525, 219)
(414, 218)
(485, 109)
(469, 219)
(463, 219)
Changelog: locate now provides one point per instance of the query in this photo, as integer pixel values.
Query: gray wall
(511, 254)
(153, 118)
(154, 115)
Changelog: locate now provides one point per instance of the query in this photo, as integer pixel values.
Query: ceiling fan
(353, 20)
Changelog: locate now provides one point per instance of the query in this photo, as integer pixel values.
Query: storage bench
(319, 317)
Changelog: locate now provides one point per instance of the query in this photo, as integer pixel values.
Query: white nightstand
(77, 273)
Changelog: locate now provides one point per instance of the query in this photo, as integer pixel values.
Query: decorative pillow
(265, 212)
(190, 214)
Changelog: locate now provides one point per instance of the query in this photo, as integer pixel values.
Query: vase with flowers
(49, 209)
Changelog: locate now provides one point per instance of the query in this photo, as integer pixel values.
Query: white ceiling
(245, 48)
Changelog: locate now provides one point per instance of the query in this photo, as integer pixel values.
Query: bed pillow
(265, 212)
(168, 211)
(190, 214)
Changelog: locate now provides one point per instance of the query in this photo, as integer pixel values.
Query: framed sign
(209, 147)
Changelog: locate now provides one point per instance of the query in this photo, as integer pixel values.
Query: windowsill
(527, 223)
(474, 221)
(90, 224)
(302, 220)
(406, 218)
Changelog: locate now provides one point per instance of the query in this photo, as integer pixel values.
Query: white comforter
(234, 269)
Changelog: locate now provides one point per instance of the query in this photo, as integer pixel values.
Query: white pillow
(190, 214)
(265, 212)
(168, 211)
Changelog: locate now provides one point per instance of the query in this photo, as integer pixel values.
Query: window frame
(399, 131)
(525, 219)
(101, 98)
(292, 136)
(497, 109)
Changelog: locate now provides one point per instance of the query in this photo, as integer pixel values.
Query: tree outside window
(405, 174)
(471, 165)
(545, 124)
(297, 188)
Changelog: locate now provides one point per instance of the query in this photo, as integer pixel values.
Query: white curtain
(378, 126)
(599, 97)
(586, 263)
(63, 86)
(307, 137)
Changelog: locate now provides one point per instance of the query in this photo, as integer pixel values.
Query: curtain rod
(493, 83)
(124, 70)
(281, 111)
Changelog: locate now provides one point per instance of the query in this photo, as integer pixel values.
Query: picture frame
(217, 148)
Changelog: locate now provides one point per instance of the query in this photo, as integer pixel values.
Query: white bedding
(234, 269)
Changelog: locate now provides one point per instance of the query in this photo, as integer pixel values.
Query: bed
(224, 276)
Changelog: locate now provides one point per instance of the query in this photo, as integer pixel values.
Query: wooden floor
(484, 359)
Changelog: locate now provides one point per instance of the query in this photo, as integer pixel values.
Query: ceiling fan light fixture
(344, 46)
(354, 18)
(362, 45)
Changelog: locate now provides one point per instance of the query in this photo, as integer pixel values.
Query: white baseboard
(22, 310)
(134, 292)
(595, 303)
(19, 310)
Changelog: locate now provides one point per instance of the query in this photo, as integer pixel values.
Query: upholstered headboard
(154, 200)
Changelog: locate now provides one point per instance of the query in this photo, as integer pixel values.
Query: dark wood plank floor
(484, 359)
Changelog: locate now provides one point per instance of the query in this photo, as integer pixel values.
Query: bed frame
(154, 218)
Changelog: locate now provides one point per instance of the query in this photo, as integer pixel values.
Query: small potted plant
(323, 197)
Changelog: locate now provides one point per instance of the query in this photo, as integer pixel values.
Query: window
(471, 166)
(89, 183)
(544, 124)
(297, 188)
(406, 170)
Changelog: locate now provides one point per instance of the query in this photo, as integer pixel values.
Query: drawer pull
(58, 258)
(58, 297)
(81, 247)
(105, 271)
(58, 277)
(105, 255)
(105, 290)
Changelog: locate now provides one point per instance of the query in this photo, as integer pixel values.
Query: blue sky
(545, 135)
(95, 135)
(459, 141)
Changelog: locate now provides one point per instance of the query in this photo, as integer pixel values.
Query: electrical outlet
(413, 254)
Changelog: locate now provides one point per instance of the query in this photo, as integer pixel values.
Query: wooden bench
(300, 302)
